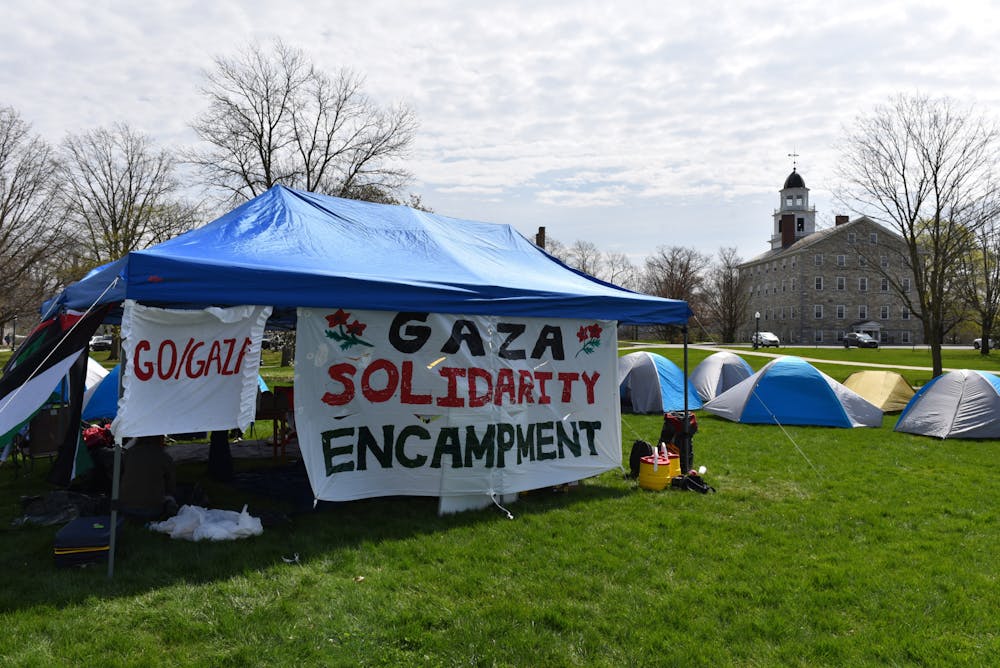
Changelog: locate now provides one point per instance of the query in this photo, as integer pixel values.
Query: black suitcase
(84, 540)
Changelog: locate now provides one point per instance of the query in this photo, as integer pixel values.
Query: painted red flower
(338, 318)
(356, 328)
(595, 331)
(583, 334)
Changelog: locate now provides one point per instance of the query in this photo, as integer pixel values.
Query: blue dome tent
(650, 383)
(790, 391)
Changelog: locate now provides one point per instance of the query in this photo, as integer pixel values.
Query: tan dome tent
(886, 389)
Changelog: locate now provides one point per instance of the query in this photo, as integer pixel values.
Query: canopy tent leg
(687, 452)
(115, 478)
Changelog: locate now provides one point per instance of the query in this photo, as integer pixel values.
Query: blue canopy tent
(288, 249)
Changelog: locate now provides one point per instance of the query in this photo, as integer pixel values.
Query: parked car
(101, 342)
(765, 339)
(859, 339)
(978, 343)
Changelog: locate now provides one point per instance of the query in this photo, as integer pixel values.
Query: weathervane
(793, 155)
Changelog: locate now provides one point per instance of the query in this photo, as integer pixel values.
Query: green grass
(822, 547)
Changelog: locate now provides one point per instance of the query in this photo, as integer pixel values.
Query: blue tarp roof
(288, 248)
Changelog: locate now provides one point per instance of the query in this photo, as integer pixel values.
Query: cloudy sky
(629, 125)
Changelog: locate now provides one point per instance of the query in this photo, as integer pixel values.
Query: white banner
(442, 405)
(188, 371)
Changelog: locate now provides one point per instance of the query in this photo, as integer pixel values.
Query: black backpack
(640, 449)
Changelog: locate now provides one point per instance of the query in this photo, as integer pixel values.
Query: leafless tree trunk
(980, 276)
(274, 118)
(586, 257)
(676, 272)
(726, 297)
(618, 269)
(120, 193)
(922, 166)
(30, 221)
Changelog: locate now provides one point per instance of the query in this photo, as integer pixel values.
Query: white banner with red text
(444, 405)
(188, 371)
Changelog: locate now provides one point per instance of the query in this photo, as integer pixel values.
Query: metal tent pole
(686, 450)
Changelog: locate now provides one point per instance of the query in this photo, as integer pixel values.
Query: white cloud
(533, 113)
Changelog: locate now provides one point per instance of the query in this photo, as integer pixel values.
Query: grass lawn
(822, 547)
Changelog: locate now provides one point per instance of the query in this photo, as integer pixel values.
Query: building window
(793, 263)
(819, 282)
(818, 259)
(851, 237)
(883, 261)
(841, 260)
(800, 224)
(782, 312)
(862, 261)
(862, 312)
(791, 312)
(817, 311)
(906, 285)
(863, 284)
(840, 311)
(841, 283)
(873, 237)
(905, 313)
(792, 285)
(906, 336)
(798, 200)
(782, 285)
(818, 335)
(884, 313)
(885, 285)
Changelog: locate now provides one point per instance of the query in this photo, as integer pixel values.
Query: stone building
(813, 286)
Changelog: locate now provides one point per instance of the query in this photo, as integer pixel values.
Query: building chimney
(787, 229)
(840, 220)
(540, 238)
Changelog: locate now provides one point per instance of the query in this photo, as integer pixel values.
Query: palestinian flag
(35, 370)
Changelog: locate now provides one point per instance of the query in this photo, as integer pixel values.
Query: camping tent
(717, 373)
(886, 389)
(957, 404)
(650, 383)
(789, 390)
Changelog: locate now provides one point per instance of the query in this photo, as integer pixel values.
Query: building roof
(794, 180)
(814, 238)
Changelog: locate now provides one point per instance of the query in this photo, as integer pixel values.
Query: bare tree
(618, 269)
(273, 117)
(120, 194)
(922, 166)
(557, 249)
(980, 276)
(676, 272)
(30, 222)
(726, 298)
(586, 257)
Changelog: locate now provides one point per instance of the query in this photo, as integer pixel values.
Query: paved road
(764, 353)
